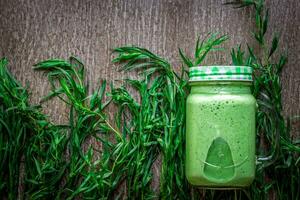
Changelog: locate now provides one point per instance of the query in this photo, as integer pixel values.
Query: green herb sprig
(163, 93)
(19, 123)
(203, 47)
(271, 125)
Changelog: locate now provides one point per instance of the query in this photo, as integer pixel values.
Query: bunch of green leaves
(83, 175)
(56, 164)
(161, 115)
(272, 129)
(20, 122)
(13, 99)
(144, 128)
(210, 43)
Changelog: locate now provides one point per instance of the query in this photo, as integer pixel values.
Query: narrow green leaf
(185, 59)
(274, 45)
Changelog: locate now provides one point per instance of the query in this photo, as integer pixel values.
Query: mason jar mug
(220, 132)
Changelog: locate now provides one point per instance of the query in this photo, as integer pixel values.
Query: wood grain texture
(39, 29)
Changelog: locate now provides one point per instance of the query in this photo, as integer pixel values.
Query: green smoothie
(220, 137)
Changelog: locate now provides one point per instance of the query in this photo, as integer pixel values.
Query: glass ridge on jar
(220, 134)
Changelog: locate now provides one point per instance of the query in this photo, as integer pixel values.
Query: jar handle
(268, 160)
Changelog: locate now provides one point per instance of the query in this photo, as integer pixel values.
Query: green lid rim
(207, 66)
(220, 73)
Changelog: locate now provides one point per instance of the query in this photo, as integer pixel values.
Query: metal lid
(220, 73)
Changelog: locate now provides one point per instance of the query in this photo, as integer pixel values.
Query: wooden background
(32, 30)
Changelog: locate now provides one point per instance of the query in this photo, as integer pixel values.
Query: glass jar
(220, 120)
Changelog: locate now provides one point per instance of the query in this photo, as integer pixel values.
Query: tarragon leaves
(160, 117)
(237, 56)
(70, 76)
(139, 58)
(208, 44)
(271, 125)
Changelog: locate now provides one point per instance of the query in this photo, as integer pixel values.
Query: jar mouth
(220, 73)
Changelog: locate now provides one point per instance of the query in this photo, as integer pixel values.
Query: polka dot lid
(220, 73)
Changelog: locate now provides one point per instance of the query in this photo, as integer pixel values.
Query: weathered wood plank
(34, 30)
(39, 29)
